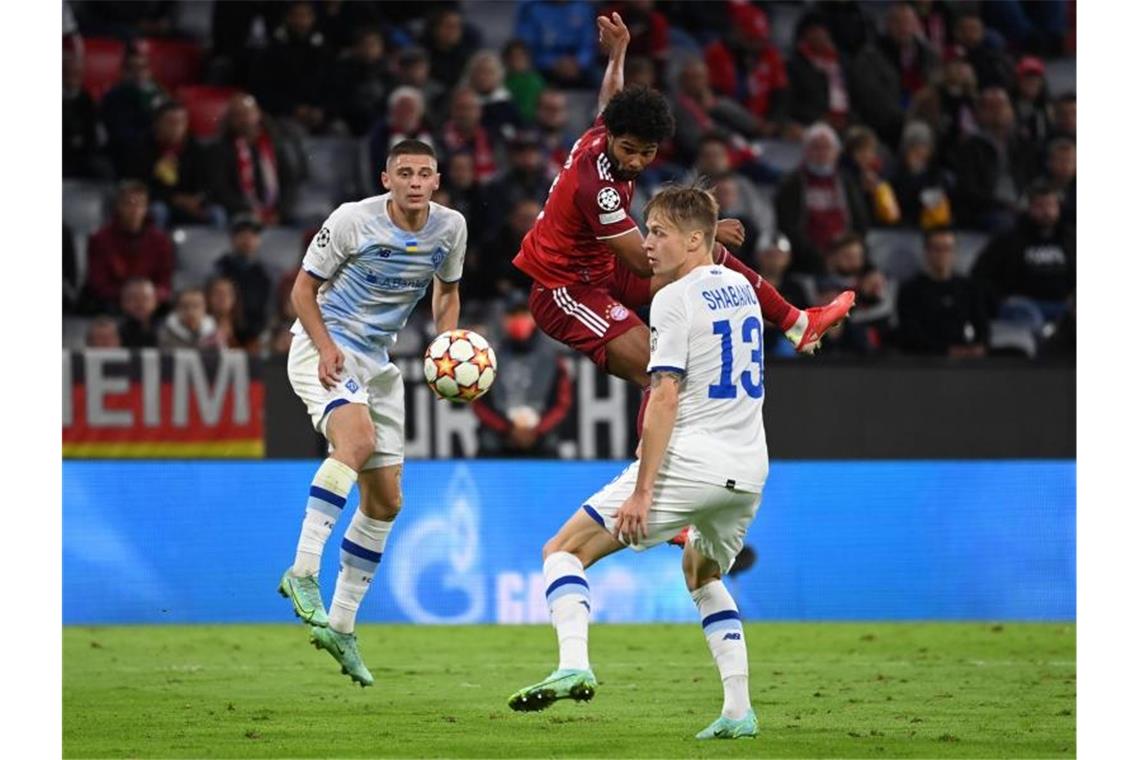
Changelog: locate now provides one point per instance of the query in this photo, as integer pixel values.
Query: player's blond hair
(688, 208)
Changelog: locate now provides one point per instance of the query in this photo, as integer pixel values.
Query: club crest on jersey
(608, 199)
(437, 257)
(617, 312)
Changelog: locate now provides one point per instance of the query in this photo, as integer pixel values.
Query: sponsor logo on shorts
(608, 199)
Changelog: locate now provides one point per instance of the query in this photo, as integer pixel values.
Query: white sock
(360, 553)
(725, 635)
(568, 595)
(327, 496)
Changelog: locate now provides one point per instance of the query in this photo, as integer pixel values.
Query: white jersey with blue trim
(707, 327)
(375, 272)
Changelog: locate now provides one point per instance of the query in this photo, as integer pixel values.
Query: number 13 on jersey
(751, 332)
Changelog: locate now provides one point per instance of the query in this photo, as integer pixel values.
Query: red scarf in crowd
(265, 200)
(827, 61)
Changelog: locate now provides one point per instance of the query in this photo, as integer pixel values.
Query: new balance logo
(733, 636)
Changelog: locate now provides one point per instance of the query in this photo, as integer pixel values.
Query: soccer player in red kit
(585, 253)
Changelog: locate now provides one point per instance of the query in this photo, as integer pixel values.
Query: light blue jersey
(375, 273)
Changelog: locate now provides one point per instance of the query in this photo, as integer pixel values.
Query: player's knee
(555, 544)
(382, 506)
(698, 570)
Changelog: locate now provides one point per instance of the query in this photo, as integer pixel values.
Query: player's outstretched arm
(445, 305)
(304, 298)
(614, 39)
(631, 521)
(630, 250)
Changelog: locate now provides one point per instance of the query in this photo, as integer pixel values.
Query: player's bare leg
(579, 543)
(724, 632)
(350, 429)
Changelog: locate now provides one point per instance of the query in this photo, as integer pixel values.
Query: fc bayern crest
(618, 312)
(608, 199)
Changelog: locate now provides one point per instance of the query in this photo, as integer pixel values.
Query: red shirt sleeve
(600, 200)
(722, 76)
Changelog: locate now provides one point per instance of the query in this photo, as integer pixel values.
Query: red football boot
(681, 538)
(820, 319)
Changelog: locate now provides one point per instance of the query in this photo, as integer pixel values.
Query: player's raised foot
(727, 728)
(578, 685)
(305, 594)
(820, 319)
(681, 538)
(342, 646)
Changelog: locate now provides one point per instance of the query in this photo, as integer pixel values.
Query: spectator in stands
(493, 274)
(468, 197)
(992, 66)
(139, 303)
(103, 333)
(772, 262)
(846, 268)
(464, 131)
(292, 79)
(527, 176)
(1061, 171)
(449, 43)
(921, 187)
(128, 246)
(1065, 116)
(562, 38)
(552, 118)
(727, 191)
(941, 312)
(648, 32)
(127, 20)
(746, 68)
(532, 393)
(947, 105)
(413, 69)
(522, 80)
(818, 87)
(1031, 102)
(1039, 27)
(405, 121)
(188, 325)
(992, 166)
(251, 171)
(242, 266)
(862, 165)
(847, 24)
(817, 203)
(127, 107)
(1030, 271)
(174, 166)
(700, 23)
(698, 110)
(934, 21)
(714, 161)
(223, 303)
(912, 57)
(358, 87)
(484, 76)
(342, 23)
(83, 134)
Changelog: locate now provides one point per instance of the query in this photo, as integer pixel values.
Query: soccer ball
(460, 365)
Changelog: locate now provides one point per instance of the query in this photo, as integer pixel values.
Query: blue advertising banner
(179, 542)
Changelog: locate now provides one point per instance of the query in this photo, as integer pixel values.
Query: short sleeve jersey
(375, 273)
(707, 327)
(585, 207)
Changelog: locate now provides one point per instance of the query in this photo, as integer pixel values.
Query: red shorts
(587, 316)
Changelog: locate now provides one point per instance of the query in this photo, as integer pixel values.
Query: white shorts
(720, 516)
(380, 387)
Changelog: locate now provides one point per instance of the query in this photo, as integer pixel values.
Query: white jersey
(375, 272)
(707, 326)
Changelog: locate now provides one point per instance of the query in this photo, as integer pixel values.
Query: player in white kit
(703, 462)
(361, 277)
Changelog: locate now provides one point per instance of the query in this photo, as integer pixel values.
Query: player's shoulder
(592, 164)
(450, 218)
(351, 212)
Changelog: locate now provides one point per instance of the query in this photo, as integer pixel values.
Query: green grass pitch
(820, 690)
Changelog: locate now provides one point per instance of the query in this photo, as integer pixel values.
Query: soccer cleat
(823, 318)
(342, 646)
(681, 538)
(305, 594)
(578, 685)
(727, 728)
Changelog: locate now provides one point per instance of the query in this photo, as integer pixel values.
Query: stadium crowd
(914, 151)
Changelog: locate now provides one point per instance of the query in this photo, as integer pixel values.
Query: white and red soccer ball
(460, 365)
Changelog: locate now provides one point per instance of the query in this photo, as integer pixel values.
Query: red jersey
(585, 207)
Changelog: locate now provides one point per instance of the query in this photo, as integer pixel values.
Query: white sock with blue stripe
(725, 635)
(327, 495)
(360, 553)
(568, 595)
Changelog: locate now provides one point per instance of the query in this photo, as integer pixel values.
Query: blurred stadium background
(923, 464)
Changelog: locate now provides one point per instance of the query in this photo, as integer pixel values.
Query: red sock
(772, 305)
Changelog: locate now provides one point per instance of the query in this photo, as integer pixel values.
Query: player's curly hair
(640, 112)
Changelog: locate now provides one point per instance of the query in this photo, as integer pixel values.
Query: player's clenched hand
(612, 33)
(331, 363)
(730, 232)
(631, 523)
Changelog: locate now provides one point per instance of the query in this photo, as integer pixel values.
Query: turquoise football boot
(579, 685)
(305, 594)
(727, 728)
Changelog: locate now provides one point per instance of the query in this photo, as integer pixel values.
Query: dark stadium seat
(207, 105)
(280, 250)
(75, 331)
(85, 205)
(197, 248)
(174, 63)
(970, 244)
(103, 62)
(333, 164)
(784, 155)
(897, 253)
(1012, 338)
